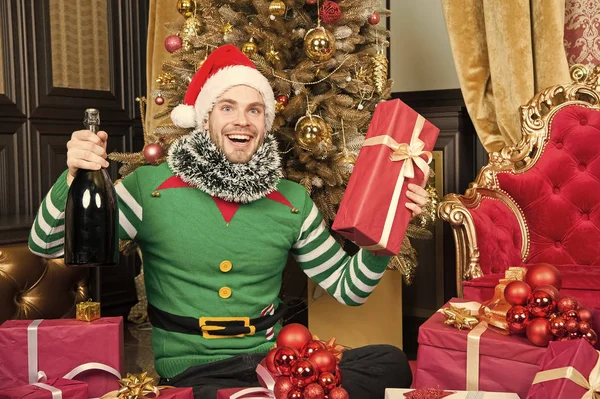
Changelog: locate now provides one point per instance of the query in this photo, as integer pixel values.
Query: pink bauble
(173, 43)
(153, 152)
(159, 100)
(374, 18)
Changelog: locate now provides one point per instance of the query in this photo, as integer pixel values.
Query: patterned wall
(79, 35)
(582, 32)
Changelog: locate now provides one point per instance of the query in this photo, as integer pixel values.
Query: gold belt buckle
(209, 328)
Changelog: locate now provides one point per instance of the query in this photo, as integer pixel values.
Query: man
(215, 225)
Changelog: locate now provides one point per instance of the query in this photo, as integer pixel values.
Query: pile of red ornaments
(541, 313)
(304, 368)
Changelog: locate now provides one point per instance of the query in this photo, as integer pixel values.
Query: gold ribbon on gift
(460, 318)
(136, 386)
(592, 383)
(411, 153)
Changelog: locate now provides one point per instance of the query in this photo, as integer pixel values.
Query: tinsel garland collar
(200, 163)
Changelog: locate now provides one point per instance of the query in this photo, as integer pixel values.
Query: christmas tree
(326, 62)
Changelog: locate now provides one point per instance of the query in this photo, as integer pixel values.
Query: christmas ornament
(227, 29)
(311, 2)
(327, 381)
(330, 12)
(285, 357)
(584, 327)
(374, 18)
(336, 350)
(186, 7)
(543, 274)
(379, 64)
(277, 8)
(338, 393)
(173, 43)
(574, 335)
(282, 100)
(312, 130)
(192, 27)
(590, 337)
(319, 44)
(584, 314)
(323, 361)
(571, 314)
(550, 290)
(295, 394)
(572, 325)
(314, 391)
(270, 361)
(153, 152)
(538, 331)
(346, 160)
(517, 293)
(427, 393)
(282, 388)
(541, 304)
(159, 100)
(249, 48)
(567, 303)
(294, 336)
(459, 317)
(303, 373)
(517, 318)
(557, 327)
(310, 347)
(338, 375)
(273, 56)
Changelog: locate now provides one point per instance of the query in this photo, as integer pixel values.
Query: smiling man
(215, 224)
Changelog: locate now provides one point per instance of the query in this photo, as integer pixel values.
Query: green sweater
(184, 239)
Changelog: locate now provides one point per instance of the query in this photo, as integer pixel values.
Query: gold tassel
(379, 63)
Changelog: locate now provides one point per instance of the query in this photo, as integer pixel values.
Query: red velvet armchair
(537, 201)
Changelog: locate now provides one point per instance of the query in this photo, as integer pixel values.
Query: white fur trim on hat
(226, 78)
(184, 116)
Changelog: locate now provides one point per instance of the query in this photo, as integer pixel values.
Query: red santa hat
(224, 68)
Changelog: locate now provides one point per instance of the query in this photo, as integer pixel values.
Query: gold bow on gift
(135, 386)
(459, 317)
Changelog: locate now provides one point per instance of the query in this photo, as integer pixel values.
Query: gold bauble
(319, 44)
(277, 8)
(191, 27)
(249, 48)
(345, 157)
(312, 130)
(186, 7)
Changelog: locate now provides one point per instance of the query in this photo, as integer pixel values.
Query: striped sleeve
(349, 279)
(47, 236)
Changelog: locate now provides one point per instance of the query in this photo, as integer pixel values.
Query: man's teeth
(239, 137)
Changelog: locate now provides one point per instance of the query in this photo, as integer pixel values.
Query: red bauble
(173, 43)
(557, 326)
(538, 331)
(314, 391)
(374, 18)
(270, 361)
(584, 314)
(591, 337)
(294, 335)
(572, 325)
(517, 292)
(295, 394)
(338, 375)
(567, 303)
(303, 373)
(517, 318)
(312, 346)
(152, 153)
(574, 335)
(323, 360)
(584, 327)
(541, 304)
(571, 314)
(543, 274)
(330, 12)
(327, 380)
(550, 290)
(284, 359)
(283, 100)
(282, 387)
(338, 393)
(159, 100)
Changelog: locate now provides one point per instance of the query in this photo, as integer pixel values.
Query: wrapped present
(51, 389)
(473, 360)
(66, 348)
(265, 391)
(569, 369)
(87, 310)
(396, 152)
(140, 386)
(434, 393)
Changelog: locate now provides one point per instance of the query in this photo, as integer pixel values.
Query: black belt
(213, 327)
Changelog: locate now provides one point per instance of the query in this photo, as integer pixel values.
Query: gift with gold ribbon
(55, 388)
(87, 310)
(570, 369)
(141, 386)
(396, 152)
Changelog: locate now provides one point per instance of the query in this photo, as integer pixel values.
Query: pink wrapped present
(570, 369)
(51, 389)
(393, 393)
(449, 359)
(67, 348)
(177, 393)
(265, 392)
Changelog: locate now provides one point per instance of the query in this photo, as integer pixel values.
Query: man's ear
(206, 124)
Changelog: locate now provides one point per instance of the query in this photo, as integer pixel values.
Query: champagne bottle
(91, 215)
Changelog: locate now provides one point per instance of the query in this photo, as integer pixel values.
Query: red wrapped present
(396, 152)
(63, 348)
(473, 360)
(570, 369)
(51, 389)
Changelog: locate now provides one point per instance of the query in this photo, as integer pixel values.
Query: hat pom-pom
(184, 116)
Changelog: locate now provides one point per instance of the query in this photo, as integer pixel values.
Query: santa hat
(223, 68)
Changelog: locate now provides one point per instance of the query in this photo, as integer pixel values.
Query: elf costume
(215, 235)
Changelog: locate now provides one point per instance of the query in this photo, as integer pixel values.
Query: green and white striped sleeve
(350, 280)
(47, 237)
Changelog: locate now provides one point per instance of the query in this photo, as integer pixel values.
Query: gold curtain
(505, 51)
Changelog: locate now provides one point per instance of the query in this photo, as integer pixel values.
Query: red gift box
(62, 348)
(395, 153)
(570, 369)
(69, 389)
(506, 363)
(177, 393)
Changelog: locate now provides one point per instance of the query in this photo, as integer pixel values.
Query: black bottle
(91, 215)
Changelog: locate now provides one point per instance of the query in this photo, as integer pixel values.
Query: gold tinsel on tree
(327, 66)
